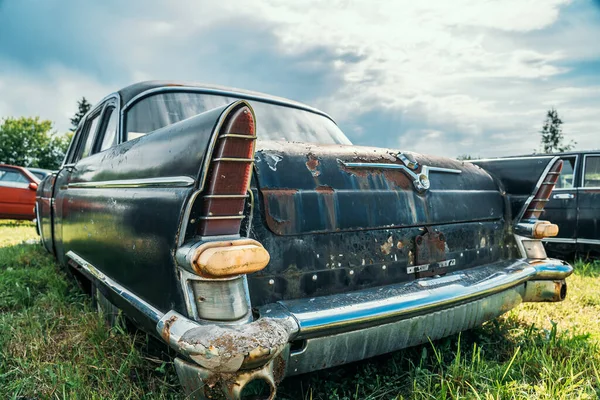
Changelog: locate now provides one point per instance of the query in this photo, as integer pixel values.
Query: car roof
(565, 153)
(132, 91)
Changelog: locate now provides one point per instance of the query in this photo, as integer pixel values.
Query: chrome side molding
(170, 181)
(420, 180)
(144, 307)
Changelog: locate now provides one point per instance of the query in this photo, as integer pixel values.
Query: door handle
(563, 196)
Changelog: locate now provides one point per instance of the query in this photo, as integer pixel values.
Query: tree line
(31, 142)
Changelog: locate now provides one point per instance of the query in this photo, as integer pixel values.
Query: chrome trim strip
(511, 158)
(397, 166)
(321, 315)
(559, 240)
(248, 160)
(588, 241)
(237, 136)
(536, 188)
(145, 308)
(420, 179)
(225, 196)
(223, 217)
(446, 170)
(171, 181)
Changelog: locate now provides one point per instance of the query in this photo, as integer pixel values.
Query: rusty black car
(574, 204)
(246, 232)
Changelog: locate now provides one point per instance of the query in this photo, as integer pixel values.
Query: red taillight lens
(229, 175)
(536, 207)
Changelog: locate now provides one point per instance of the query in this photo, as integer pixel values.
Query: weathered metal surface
(328, 351)
(200, 384)
(311, 180)
(348, 261)
(545, 291)
(430, 247)
(227, 349)
(518, 176)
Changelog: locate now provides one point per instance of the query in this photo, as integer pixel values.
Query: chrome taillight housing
(229, 175)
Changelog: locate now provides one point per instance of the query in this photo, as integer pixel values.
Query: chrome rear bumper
(348, 311)
(342, 328)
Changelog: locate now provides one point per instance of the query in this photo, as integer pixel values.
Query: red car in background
(17, 192)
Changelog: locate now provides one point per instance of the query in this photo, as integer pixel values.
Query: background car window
(592, 172)
(109, 138)
(565, 181)
(274, 122)
(89, 140)
(11, 176)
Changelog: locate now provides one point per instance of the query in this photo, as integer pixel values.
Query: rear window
(274, 122)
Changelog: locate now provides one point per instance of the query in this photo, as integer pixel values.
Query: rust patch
(324, 189)
(166, 332)
(278, 368)
(313, 164)
(386, 247)
(285, 205)
(398, 178)
(430, 247)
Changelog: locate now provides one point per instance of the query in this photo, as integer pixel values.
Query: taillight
(229, 175)
(541, 197)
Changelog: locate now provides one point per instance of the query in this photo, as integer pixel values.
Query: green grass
(54, 345)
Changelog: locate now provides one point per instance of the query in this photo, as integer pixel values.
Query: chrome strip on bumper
(323, 315)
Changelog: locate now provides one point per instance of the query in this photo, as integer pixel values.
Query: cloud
(449, 78)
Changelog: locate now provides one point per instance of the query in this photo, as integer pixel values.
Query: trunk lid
(310, 188)
(335, 221)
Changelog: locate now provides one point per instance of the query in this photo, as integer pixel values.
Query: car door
(562, 206)
(81, 147)
(17, 194)
(588, 230)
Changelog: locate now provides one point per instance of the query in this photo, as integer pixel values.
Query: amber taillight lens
(229, 175)
(536, 207)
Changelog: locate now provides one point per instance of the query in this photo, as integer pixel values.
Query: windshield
(274, 122)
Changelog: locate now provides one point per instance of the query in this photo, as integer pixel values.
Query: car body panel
(573, 206)
(17, 198)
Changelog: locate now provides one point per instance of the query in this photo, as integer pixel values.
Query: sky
(448, 78)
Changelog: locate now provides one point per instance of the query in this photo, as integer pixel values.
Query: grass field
(54, 345)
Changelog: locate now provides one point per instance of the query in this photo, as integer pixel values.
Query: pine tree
(83, 107)
(552, 135)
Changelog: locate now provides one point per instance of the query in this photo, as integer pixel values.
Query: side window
(71, 156)
(10, 177)
(108, 134)
(591, 177)
(89, 140)
(567, 177)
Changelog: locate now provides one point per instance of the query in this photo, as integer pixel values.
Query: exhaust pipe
(545, 291)
(202, 384)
